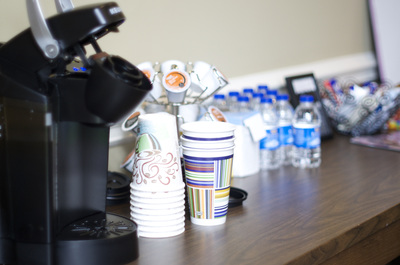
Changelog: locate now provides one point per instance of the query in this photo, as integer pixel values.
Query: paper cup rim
(204, 129)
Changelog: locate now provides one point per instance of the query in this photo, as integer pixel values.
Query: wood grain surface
(299, 216)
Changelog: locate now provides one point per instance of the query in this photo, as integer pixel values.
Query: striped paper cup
(208, 176)
(189, 143)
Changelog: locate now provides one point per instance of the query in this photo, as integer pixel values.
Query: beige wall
(239, 37)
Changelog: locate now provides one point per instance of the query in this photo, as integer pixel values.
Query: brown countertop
(345, 211)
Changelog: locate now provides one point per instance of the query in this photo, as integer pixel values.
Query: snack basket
(359, 109)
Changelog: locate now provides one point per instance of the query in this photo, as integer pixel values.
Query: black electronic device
(54, 139)
(306, 84)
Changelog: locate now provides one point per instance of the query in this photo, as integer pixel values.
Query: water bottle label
(271, 142)
(307, 137)
(285, 135)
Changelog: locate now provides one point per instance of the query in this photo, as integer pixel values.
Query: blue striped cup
(208, 175)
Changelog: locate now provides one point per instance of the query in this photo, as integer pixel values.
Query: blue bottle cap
(233, 94)
(219, 96)
(272, 92)
(282, 97)
(243, 99)
(262, 87)
(248, 90)
(267, 100)
(306, 98)
(258, 95)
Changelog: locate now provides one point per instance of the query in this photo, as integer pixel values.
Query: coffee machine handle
(64, 5)
(40, 30)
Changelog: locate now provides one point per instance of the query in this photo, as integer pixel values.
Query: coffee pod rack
(176, 83)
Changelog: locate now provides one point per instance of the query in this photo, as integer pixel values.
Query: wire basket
(359, 110)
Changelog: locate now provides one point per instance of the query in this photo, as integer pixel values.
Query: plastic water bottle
(285, 112)
(248, 92)
(256, 102)
(262, 89)
(270, 153)
(219, 102)
(243, 104)
(232, 101)
(306, 133)
(272, 94)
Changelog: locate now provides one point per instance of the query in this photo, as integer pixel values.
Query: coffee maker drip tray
(100, 239)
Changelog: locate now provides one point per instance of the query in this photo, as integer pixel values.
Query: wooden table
(345, 212)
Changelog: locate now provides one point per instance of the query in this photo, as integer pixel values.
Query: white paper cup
(208, 176)
(157, 218)
(157, 165)
(158, 212)
(161, 235)
(172, 222)
(139, 199)
(208, 130)
(154, 170)
(157, 194)
(158, 206)
(161, 229)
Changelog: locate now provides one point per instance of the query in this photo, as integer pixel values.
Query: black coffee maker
(56, 107)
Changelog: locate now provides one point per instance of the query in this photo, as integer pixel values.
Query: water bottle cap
(272, 92)
(306, 98)
(258, 95)
(282, 97)
(243, 99)
(248, 90)
(233, 94)
(219, 96)
(262, 87)
(267, 100)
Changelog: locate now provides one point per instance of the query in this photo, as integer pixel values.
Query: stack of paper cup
(207, 149)
(157, 188)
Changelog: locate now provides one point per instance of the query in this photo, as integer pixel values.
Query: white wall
(239, 37)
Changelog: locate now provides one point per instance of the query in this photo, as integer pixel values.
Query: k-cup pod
(207, 78)
(216, 114)
(176, 83)
(199, 70)
(208, 176)
(172, 65)
(212, 81)
(148, 70)
(131, 122)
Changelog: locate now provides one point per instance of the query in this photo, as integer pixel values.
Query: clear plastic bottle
(272, 94)
(285, 112)
(219, 101)
(262, 89)
(248, 92)
(232, 101)
(270, 153)
(306, 133)
(243, 103)
(256, 102)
